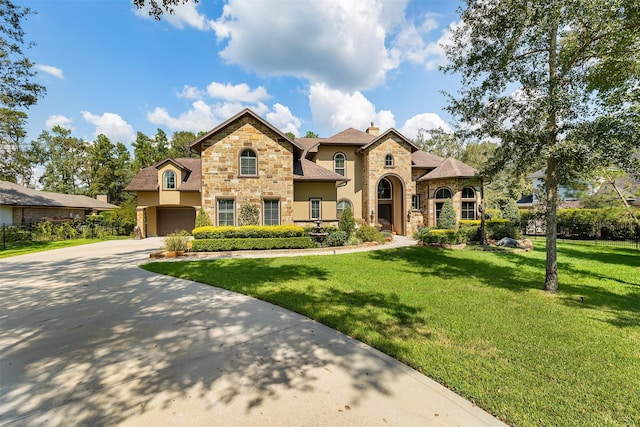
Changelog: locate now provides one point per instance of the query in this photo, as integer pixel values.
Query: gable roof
(197, 143)
(386, 134)
(147, 178)
(348, 136)
(450, 168)
(17, 195)
(306, 170)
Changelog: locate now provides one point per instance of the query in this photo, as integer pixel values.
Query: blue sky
(303, 65)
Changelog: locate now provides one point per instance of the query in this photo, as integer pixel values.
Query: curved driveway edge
(88, 338)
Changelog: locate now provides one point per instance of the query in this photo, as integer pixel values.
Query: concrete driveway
(88, 338)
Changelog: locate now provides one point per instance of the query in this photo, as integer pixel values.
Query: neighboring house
(24, 206)
(572, 195)
(384, 178)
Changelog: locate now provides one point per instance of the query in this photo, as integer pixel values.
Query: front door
(385, 216)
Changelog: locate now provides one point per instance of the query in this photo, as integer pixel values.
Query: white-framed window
(415, 202)
(248, 163)
(468, 207)
(442, 193)
(226, 212)
(271, 212)
(384, 189)
(339, 164)
(342, 205)
(169, 180)
(315, 208)
(388, 161)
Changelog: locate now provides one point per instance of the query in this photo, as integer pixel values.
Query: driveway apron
(88, 338)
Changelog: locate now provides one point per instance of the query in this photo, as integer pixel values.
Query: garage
(171, 219)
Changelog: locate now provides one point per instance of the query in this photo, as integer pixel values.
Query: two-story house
(383, 177)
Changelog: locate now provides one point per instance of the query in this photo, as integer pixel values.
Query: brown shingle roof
(450, 168)
(16, 195)
(306, 170)
(385, 134)
(147, 178)
(422, 159)
(349, 136)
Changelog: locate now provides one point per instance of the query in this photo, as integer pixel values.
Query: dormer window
(248, 163)
(388, 161)
(339, 161)
(169, 180)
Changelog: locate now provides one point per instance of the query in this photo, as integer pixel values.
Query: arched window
(388, 161)
(169, 180)
(443, 193)
(248, 163)
(339, 164)
(342, 205)
(384, 189)
(468, 210)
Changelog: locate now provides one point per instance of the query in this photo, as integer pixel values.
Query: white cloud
(240, 92)
(425, 121)
(199, 118)
(184, 14)
(282, 119)
(59, 120)
(50, 69)
(334, 110)
(338, 43)
(191, 92)
(111, 125)
(413, 43)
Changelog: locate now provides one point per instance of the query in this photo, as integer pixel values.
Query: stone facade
(221, 177)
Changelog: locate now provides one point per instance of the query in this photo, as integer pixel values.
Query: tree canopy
(552, 80)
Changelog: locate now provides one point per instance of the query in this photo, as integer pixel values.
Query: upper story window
(169, 180)
(468, 193)
(388, 161)
(248, 163)
(443, 193)
(384, 189)
(339, 164)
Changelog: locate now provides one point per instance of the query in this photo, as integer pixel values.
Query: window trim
(165, 182)
(255, 159)
(311, 202)
(264, 211)
(344, 163)
(338, 212)
(435, 194)
(415, 202)
(390, 189)
(220, 211)
(463, 211)
(388, 157)
(468, 198)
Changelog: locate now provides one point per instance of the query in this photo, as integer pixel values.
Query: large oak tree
(555, 80)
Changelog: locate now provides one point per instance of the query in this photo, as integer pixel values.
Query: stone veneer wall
(375, 169)
(455, 185)
(221, 168)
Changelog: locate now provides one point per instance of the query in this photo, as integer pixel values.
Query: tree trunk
(551, 277)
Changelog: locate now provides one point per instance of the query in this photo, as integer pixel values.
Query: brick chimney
(373, 130)
(102, 198)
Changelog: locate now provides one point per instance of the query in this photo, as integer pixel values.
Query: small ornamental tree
(510, 211)
(347, 222)
(447, 219)
(202, 219)
(249, 215)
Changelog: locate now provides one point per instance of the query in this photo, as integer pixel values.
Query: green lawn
(475, 321)
(40, 246)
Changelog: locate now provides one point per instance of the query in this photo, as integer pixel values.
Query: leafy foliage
(347, 222)
(202, 219)
(249, 215)
(251, 243)
(440, 236)
(248, 231)
(510, 211)
(368, 233)
(337, 238)
(447, 218)
(178, 241)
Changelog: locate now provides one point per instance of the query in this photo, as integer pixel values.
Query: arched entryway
(390, 200)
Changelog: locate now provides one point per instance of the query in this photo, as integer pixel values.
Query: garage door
(173, 219)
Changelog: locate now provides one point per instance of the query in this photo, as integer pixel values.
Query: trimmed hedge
(251, 243)
(447, 236)
(496, 229)
(610, 223)
(248, 231)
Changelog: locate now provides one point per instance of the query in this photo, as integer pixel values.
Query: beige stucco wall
(353, 189)
(221, 169)
(304, 191)
(401, 170)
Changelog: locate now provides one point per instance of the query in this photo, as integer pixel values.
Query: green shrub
(178, 241)
(249, 215)
(326, 229)
(497, 230)
(248, 231)
(347, 222)
(510, 211)
(442, 236)
(236, 244)
(447, 219)
(368, 233)
(202, 219)
(471, 232)
(493, 214)
(337, 238)
(387, 235)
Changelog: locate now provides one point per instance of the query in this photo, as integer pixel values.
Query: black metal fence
(606, 234)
